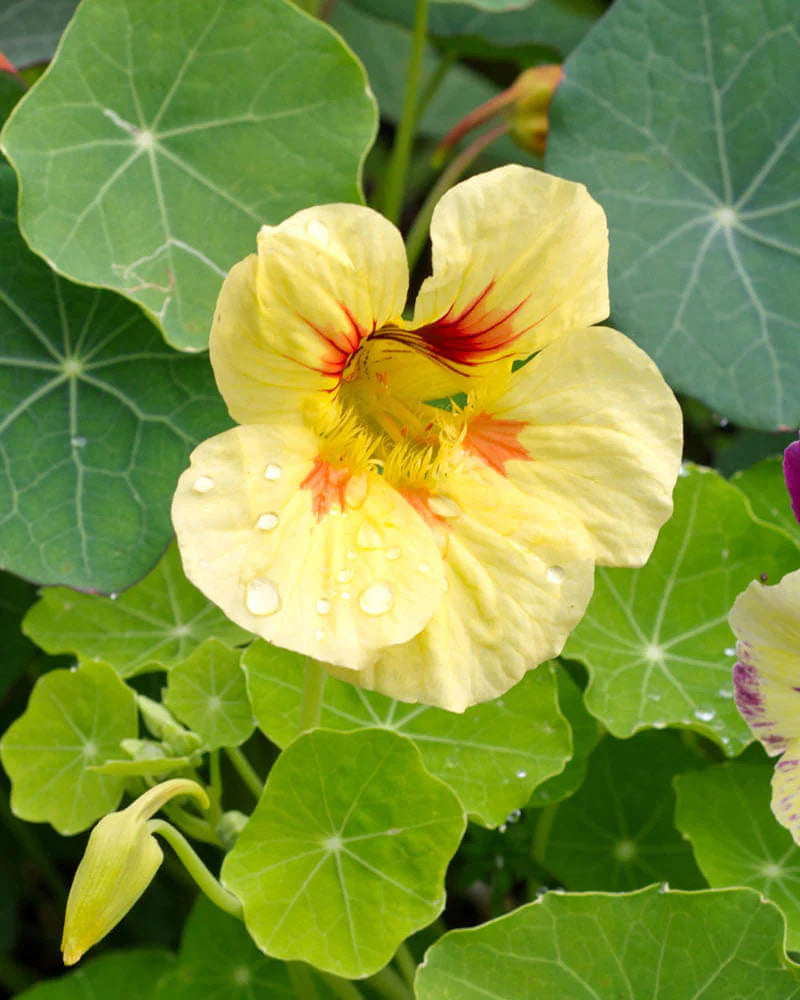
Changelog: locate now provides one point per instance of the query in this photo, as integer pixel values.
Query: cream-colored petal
(767, 675)
(519, 577)
(339, 586)
(786, 790)
(602, 435)
(288, 320)
(519, 257)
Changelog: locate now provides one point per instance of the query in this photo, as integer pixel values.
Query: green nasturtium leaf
(219, 961)
(713, 945)
(617, 832)
(150, 169)
(765, 488)
(123, 975)
(683, 123)
(725, 813)
(345, 853)
(586, 734)
(656, 640)
(30, 29)
(74, 719)
(98, 419)
(157, 623)
(492, 756)
(207, 691)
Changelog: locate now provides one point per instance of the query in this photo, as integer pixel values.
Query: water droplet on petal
(393, 553)
(267, 521)
(704, 714)
(376, 599)
(368, 536)
(556, 574)
(351, 555)
(443, 506)
(355, 493)
(345, 595)
(445, 584)
(262, 597)
(323, 606)
(319, 634)
(272, 472)
(203, 484)
(424, 567)
(344, 575)
(318, 231)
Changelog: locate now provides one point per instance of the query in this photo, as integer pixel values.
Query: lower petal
(260, 540)
(767, 674)
(519, 577)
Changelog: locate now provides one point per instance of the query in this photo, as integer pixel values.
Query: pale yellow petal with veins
(340, 587)
(519, 258)
(519, 577)
(602, 436)
(288, 320)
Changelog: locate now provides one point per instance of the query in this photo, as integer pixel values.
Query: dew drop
(272, 472)
(704, 714)
(344, 575)
(725, 693)
(319, 635)
(445, 585)
(556, 574)
(502, 828)
(729, 651)
(654, 696)
(345, 595)
(424, 568)
(78, 442)
(262, 597)
(113, 595)
(443, 506)
(351, 555)
(393, 553)
(684, 470)
(323, 606)
(376, 599)
(267, 521)
(203, 484)
(368, 536)
(522, 774)
(355, 493)
(318, 231)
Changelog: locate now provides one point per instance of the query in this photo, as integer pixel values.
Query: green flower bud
(119, 863)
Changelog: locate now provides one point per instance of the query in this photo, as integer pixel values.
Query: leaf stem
(541, 837)
(406, 963)
(404, 137)
(418, 234)
(245, 770)
(302, 982)
(389, 985)
(433, 82)
(343, 988)
(311, 706)
(194, 866)
(198, 829)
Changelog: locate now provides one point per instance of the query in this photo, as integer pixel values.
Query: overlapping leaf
(713, 945)
(207, 691)
(150, 169)
(656, 640)
(725, 813)
(764, 486)
(345, 853)
(15, 598)
(98, 420)
(74, 719)
(617, 831)
(492, 756)
(155, 624)
(30, 29)
(124, 975)
(682, 121)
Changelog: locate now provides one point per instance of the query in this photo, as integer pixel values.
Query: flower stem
(415, 241)
(311, 706)
(404, 137)
(389, 985)
(433, 82)
(194, 866)
(343, 988)
(245, 770)
(541, 836)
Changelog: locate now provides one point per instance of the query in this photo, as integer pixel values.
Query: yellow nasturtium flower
(431, 552)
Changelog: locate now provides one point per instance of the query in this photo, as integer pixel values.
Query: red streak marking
(341, 344)
(327, 486)
(495, 441)
(419, 501)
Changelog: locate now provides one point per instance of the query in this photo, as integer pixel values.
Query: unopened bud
(119, 863)
(528, 116)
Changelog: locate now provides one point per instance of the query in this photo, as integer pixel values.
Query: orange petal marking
(495, 441)
(327, 485)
